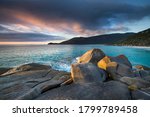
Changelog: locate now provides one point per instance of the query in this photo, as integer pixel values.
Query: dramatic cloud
(22, 37)
(71, 17)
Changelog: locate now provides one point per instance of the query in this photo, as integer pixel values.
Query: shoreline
(77, 44)
(99, 76)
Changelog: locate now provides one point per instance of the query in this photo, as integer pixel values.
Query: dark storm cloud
(11, 35)
(91, 14)
(87, 15)
(23, 37)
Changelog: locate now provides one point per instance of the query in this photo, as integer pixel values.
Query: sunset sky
(43, 21)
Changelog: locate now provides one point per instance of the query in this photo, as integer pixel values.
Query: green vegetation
(140, 39)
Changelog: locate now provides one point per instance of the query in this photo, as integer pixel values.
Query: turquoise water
(61, 56)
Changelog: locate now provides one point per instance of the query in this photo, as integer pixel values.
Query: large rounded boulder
(121, 59)
(92, 56)
(118, 70)
(87, 72)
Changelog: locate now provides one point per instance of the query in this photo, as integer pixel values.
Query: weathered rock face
(111, 90)
(117, 70)
(92, 56)
(87, 72)
(143, 74)
(147, 90)
(140, 95)
(146, 78)
(31, 84)
(122, 59)
(103, 62)
(27, 67)
(96, 77)
(136, 82)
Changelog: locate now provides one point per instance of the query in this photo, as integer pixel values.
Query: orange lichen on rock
(103, 63)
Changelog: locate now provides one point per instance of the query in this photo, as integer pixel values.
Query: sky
(43, 21)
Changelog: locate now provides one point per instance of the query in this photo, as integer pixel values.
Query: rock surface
(111, 90)
(122, 59)
(138, 83)
(95, 77)
(27, 67)
(103, 62)
(118, 70)
(92, 56)
(87, 72)
(140, 95)
(30, 84)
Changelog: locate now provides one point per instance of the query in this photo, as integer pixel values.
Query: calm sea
(61, 56)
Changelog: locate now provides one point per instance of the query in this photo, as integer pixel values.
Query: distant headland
(141, 38)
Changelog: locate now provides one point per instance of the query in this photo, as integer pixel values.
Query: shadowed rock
(140, 95)
(31, 82)
(87, 72)
(137, 82)
(122, 59)
(27, 67)
(118, 70)
(147, 78)
(111, 90)
(143, 74)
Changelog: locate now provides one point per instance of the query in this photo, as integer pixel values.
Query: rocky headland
(95, 76)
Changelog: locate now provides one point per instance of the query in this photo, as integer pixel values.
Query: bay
(60, 57)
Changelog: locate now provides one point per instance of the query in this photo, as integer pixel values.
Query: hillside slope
(139, 39)
(101, 39)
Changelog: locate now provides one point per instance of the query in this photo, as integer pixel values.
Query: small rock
(142, 67)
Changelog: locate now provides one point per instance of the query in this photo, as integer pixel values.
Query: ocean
(60, 57)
